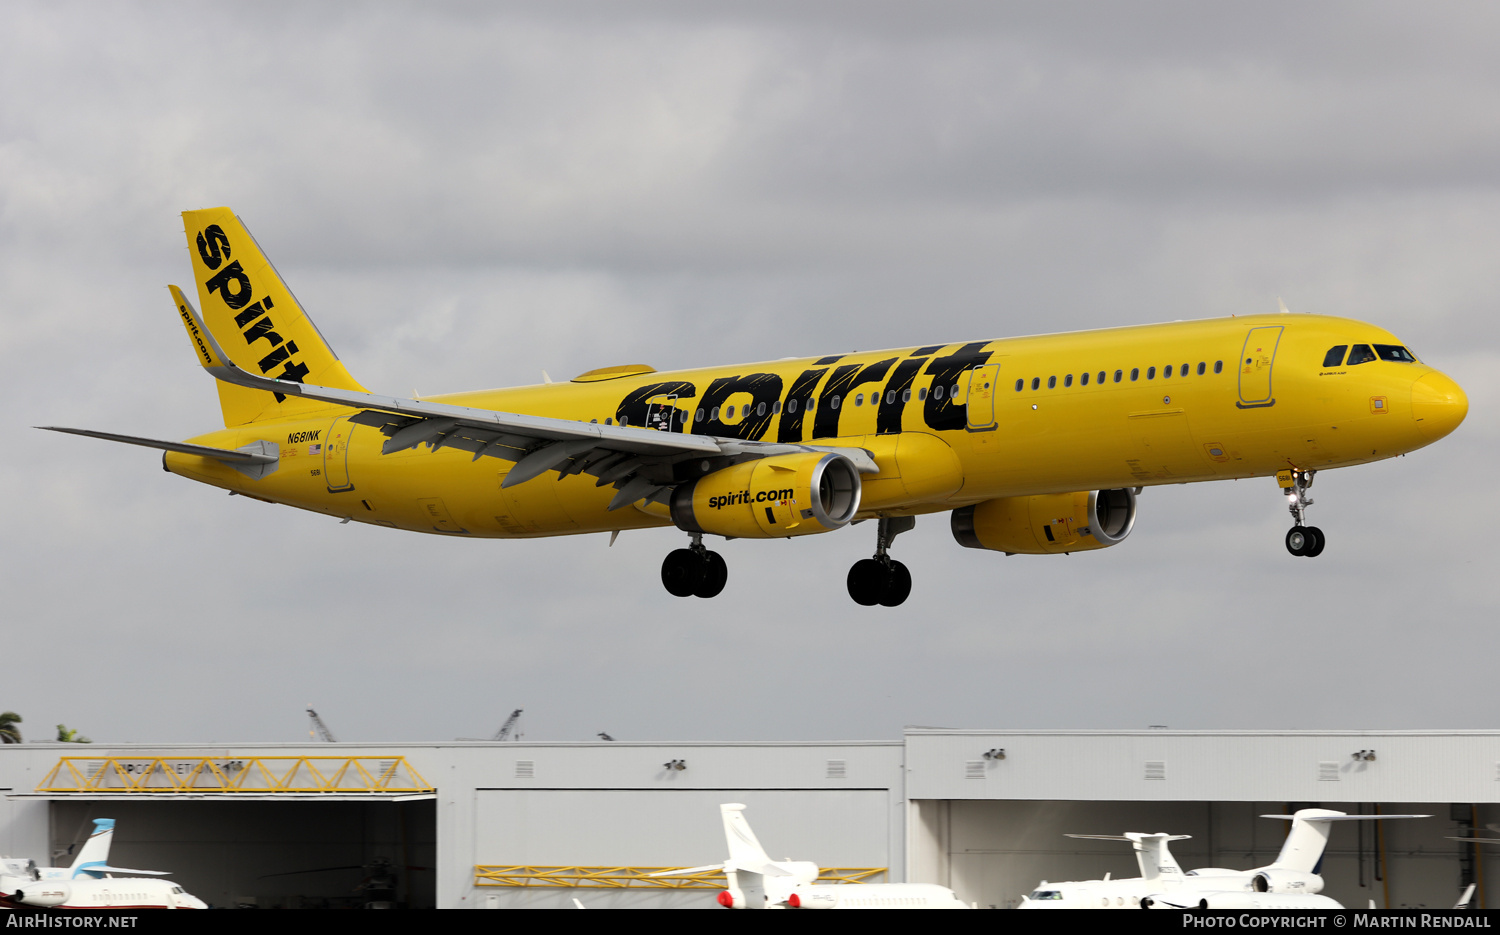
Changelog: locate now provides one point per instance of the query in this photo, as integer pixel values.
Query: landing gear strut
(1302, 541)
(882, 580)
(694, 571)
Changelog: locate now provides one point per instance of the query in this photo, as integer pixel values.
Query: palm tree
(9, 732)
(66, 734)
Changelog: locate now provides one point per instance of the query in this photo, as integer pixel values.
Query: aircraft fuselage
(948, 425)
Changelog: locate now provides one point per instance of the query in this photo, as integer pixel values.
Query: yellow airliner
(1033, 445)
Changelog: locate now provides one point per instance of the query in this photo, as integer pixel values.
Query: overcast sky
(465, 194)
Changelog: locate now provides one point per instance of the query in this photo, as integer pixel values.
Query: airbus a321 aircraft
(758, 882)
(1033, 445)
(1289, 882)
(90, 883)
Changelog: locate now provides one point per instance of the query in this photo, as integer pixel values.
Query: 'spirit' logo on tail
(233, 285)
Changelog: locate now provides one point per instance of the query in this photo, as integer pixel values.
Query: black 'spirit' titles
(888, 422)
(943, 415)
(844, 379)
(789, 429)
(637, 410)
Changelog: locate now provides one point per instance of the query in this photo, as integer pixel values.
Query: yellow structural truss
(614, 878)
(163, 775)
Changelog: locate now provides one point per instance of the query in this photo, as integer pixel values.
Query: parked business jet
(90, 883)
(1034, 445)
(758, 882)
(1289, 882)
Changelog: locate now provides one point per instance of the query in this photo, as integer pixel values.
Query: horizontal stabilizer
(227, 455)
(1128, 838)
(1341, 817)
(134, 873)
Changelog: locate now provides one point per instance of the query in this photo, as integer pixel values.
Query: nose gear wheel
(1301, 541)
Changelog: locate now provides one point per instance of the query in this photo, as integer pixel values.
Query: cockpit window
(1047, 894)
(1360, 354)
(1395, 352)
(1335, 355)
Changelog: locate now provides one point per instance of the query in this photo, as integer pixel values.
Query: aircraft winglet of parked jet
(1033, 445)
(1288, 882)
(758, 882)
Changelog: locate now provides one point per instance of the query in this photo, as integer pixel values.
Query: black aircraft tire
(1317, 542)
(897, 586)
(867, 582)
(1298, 541)
(714, 576)
(681, 571)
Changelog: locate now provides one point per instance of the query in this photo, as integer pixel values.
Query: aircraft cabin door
(336, 455)
(980, 404)
(1256, 358)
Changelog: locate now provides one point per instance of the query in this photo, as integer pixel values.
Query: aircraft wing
(235, 456)
(639, 462)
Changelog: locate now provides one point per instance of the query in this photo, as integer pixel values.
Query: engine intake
(1047, 523)
(1286, 881)
(771, 498)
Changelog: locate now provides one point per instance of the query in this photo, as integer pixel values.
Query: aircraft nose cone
(1438, 405)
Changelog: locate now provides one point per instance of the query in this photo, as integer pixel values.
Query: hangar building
(535, 825)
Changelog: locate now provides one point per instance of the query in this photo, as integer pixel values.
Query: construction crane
(319, 730)
(507, 728)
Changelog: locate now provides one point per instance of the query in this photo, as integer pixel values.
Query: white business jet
(1289, 882)
(90, 883)
(758, 882)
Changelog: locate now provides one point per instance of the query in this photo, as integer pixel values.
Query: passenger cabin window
(1395, 352)
(1201, 367)
(1083, 379)
(1218, 366)
(1335, 355)
(1052, 383)
(1150, 373)
(1118, 375)
(1019, 384)
(1036, 383)
(1360, 354)
(1101, 376)
(1135, 374)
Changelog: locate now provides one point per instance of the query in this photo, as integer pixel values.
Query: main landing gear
(694, 571)
(1302, 541)
(882, 580)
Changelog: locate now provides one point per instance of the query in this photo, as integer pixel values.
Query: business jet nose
(1438, 405)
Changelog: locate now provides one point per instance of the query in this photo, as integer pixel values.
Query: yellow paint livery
(1035, 444)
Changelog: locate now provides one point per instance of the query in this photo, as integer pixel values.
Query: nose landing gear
(694, 571)
(882, 580)
(1302, 541)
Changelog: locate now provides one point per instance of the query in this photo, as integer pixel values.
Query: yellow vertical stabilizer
(241, 293)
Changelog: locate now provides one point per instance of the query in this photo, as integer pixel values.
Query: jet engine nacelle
(731, 899)
(1047, 523)
(50, 893)
(1286, 881)
(813, 898)
(771, 498)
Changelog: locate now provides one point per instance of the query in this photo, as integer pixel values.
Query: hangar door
(578, 828)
